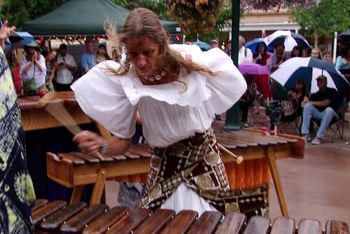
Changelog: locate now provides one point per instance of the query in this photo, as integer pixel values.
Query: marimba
(74, 170)
(58, 217)
(37, 118)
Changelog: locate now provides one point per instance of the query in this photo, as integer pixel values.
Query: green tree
(324, 19)
(19, 11)
(224, 18)
(157, 6)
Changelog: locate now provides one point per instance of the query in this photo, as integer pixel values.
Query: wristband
(103, 148)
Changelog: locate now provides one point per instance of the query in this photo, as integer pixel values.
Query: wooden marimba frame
(74, 170)
(58, 217)
(37, 118)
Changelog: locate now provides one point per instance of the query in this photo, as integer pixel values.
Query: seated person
(297, 96)
(322, 105)
(292, 107)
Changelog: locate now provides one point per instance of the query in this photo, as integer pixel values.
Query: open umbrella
(253, 44)
(345, 35)
(203, 45)
(250, 68)
(309, 69)
(289, 39)
(22, 37)
(260, 76)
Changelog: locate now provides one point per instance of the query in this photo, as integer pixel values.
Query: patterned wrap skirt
(16, 187)
(196, 162)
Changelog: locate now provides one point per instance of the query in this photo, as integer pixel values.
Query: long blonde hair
(144, 22)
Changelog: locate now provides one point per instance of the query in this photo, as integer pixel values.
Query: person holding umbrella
(322, 105)
(277, 58)
(261, 56)
(273, 63)
(316, 53)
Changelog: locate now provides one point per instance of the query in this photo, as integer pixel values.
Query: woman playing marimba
(177, 89)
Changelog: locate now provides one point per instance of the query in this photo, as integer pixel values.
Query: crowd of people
(42, 70)
(296, 102)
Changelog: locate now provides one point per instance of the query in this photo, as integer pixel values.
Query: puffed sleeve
(226, 86)
(101, 96)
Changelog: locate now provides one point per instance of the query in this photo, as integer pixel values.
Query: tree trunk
(315, 40)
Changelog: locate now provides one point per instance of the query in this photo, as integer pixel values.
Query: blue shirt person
(88, 59)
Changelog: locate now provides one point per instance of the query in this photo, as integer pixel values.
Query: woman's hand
(6, 30)
(305, 100)
(33, 57)
(88, 142)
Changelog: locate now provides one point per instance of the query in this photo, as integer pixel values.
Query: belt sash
(196, 162)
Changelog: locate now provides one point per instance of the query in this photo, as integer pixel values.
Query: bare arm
(36, 61)
(305, 100)
(5, 32)
(52, 76)
(90, 142)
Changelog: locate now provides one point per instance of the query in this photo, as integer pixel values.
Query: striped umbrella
(309, 69)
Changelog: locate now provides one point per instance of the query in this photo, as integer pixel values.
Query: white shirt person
(65, 69)
(244, 53)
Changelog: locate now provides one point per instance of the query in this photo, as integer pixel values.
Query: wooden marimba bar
(75, 170)
(58, 217)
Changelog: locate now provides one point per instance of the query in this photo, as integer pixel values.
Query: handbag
(29, 87)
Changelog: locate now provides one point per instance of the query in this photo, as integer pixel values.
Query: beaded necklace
(154, 78)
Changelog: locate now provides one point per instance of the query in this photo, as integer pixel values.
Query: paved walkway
(317, 186)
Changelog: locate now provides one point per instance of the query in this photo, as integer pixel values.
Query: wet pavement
(317, 186)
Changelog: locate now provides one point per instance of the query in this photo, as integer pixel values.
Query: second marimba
(57, 216)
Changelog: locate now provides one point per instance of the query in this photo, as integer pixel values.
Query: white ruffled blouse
(170, 112)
